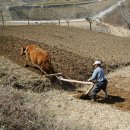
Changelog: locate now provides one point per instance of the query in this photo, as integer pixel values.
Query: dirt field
(10, 48)
(73, 52)
(88, 43)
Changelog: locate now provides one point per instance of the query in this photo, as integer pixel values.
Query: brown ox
(38, 57)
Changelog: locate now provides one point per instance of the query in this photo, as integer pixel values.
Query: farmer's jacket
(98, 75)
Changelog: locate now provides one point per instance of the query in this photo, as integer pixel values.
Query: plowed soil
(73, 52)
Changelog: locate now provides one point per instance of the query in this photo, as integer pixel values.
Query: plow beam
(74, 81)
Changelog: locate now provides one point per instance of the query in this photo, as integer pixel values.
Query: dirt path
(117, 31)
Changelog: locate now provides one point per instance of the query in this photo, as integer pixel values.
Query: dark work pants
(98, 87)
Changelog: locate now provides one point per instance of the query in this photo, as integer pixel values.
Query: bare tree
(28, 18)
(87, 14)
(2, 16)
(67, 19)
(67, 14)
(54, 14)
(44, 13)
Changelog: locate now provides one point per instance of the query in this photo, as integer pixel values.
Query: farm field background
(29, 100)
(73, 52)
(90, 45)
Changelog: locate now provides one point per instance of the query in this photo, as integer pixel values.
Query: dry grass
(14, 115)
(16, 110)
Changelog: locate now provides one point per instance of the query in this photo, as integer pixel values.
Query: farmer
(100, 80)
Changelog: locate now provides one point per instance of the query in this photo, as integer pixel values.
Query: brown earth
(73, 51)
(10, 48)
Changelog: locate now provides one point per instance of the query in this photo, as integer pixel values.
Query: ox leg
(26, 61)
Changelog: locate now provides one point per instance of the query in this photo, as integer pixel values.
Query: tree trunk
(3, 21)
(59, 22)
(28, 20)
(90, 25)
(68, 24)
(2, 17)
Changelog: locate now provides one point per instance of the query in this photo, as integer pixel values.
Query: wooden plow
(60, 78)
(79, 82)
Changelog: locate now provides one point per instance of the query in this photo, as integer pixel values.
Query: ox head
(24, 50)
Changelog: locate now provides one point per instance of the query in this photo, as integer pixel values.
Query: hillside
(53, 108)
(29, 101)
(41, 104)
(18, 2)
(52, 10)
(89, 44)
(56, 1)
(119, 16)
(4, 3)
(73, 50)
